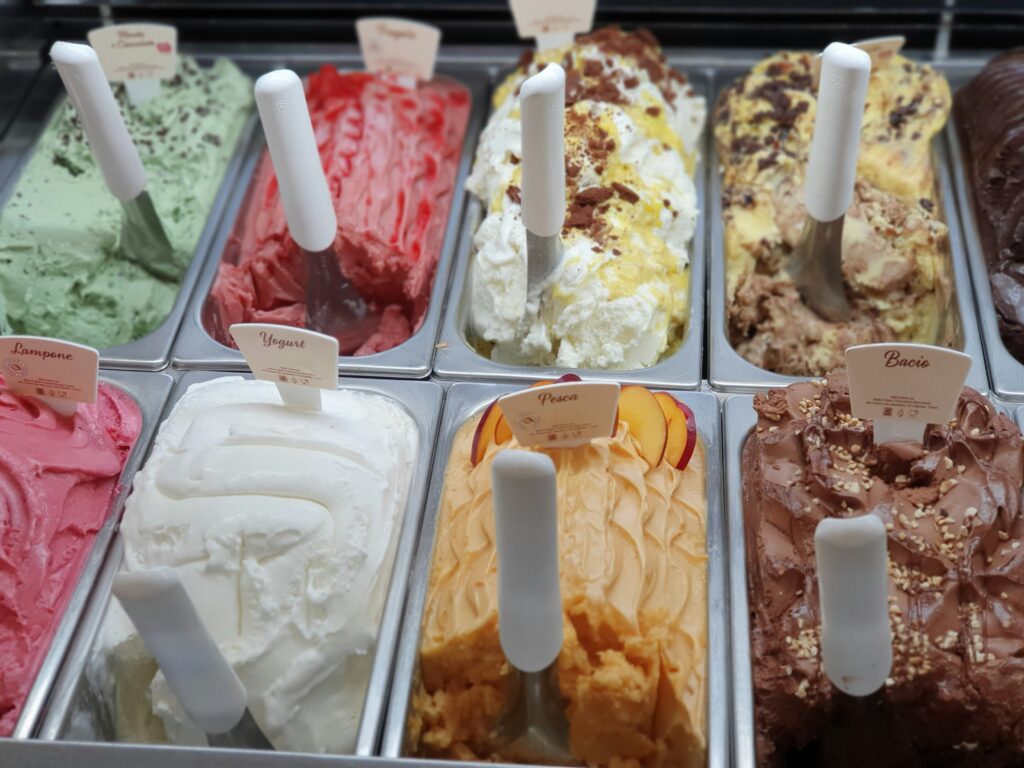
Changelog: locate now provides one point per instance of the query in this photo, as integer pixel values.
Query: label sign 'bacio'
(562, 415)
(914, 383)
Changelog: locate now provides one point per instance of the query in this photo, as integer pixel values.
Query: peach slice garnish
(647, 422)
(682, 430)
(691, 434)
(676, 419)
(485, 432)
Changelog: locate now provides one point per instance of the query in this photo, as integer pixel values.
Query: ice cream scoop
(532, 727)
(333, 305)
(202, 679)
(853, 579)
(143, 239)
(816, 264)
(542, 109)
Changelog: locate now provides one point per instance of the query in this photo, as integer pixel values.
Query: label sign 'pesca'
(562, 415)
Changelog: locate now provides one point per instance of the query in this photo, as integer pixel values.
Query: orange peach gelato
(632, 670)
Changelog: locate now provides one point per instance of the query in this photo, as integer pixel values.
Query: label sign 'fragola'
(53, 370)
(562, 415)
(398, 46)
(136, 51)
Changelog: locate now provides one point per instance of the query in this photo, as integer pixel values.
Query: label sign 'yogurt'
(562, 415)
(55, 371)
(136, 51)
(291, 356)
(556, 21)
(405, 48)
(914, 383)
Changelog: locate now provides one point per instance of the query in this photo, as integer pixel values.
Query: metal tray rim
(423, 401)
(1006, 371)
(464, 400)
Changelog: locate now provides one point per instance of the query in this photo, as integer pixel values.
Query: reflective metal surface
(197, 349)
(1007, 372)
(152, 351)
(150, 391)
(462, 402)
(738, 421)
(457, 359)
(729, 372)
(77, 706)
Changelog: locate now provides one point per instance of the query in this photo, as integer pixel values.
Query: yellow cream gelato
(620, 299)
(895, 245)
(632, 670)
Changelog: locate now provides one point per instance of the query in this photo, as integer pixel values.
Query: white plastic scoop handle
(526, 526)
(542, 114)
(832, 164)
(112, 146)
(856, 643)
(204, 682)
(281, 102)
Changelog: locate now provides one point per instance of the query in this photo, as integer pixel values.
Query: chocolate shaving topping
(625, 192)
(514, 194)
(593, 195)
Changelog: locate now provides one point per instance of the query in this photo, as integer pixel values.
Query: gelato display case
(344, 561)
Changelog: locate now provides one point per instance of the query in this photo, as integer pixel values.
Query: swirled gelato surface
(281, 524)
(895, 244)
(391, 156)
(58, 477)
(620, 299)
(632, 670)
(990, 119)
(953, 510)
(61, 271)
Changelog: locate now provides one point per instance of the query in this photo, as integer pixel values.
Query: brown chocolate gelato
(989, 114)
(952, 506)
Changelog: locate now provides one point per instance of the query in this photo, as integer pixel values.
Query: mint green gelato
(61, 274)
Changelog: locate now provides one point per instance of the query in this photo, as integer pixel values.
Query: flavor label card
(136, 51)
(289, 356)
(543, 18)
(906, 382)
(880, 49)
(398, 46)
(562, 415)
(56, 371)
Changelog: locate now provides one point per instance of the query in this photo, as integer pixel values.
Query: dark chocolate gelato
(989, 114)
(952, 506)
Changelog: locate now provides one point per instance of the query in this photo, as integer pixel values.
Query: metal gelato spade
(532, 728)
(202, 679)
(333, 305)
(542, 105)
(816, 265)
(143, 239)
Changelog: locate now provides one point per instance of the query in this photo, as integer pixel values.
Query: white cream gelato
(282, 524)
(621, 297)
